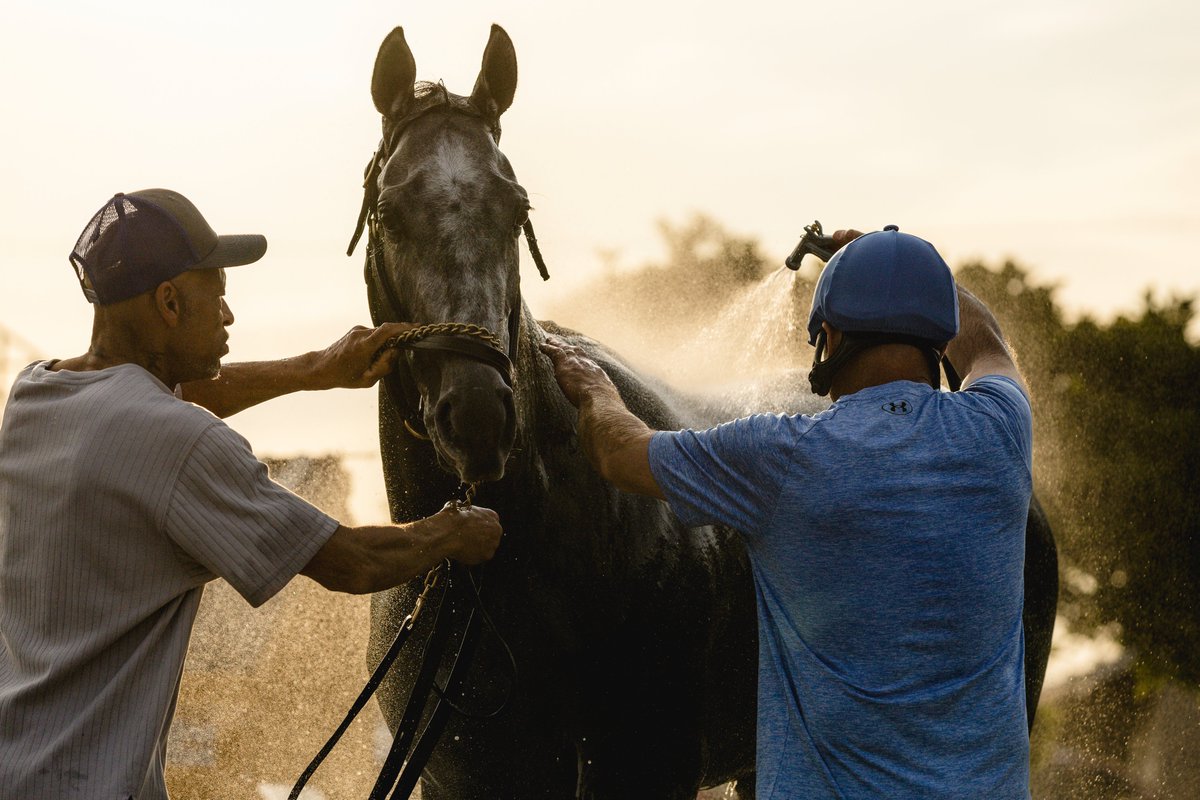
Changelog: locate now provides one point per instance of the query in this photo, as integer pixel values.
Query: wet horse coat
(635, 638)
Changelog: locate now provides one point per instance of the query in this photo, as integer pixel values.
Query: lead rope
(441, 329)
(396, 778)
(406, 729)
(422, 749)
(432, 577)
(412, 338)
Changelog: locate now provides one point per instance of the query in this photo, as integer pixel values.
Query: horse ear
(394, 76)
(497, 81)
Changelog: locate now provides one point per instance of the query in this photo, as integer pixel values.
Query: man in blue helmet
(886, 534)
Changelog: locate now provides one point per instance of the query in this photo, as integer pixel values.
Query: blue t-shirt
(887, 537)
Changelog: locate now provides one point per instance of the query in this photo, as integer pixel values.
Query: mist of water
(265, 687)
(738, 350)
(754, 337)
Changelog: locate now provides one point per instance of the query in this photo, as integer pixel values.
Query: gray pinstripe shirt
(118, 502)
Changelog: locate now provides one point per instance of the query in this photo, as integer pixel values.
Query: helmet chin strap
(820, 377)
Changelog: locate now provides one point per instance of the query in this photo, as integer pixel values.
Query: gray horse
(635, 639)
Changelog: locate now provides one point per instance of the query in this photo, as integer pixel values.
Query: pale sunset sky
(1065, 135)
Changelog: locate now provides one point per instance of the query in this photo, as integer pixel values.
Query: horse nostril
(477, 417)
(443, 417)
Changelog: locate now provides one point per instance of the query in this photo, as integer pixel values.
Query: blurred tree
(705, 264)
(652, 309)
(703, 253)
(1117, 427)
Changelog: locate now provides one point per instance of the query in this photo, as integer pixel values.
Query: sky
(1063, 135)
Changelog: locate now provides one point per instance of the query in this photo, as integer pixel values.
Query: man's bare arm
(352, 362)
(371, 558)
(615, 441)
(980, 349)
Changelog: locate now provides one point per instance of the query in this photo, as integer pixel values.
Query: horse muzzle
(472, 428)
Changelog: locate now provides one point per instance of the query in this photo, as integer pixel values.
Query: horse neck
(545, 439)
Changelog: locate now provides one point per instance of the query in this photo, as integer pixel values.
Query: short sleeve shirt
(118, 502)
(886, 538)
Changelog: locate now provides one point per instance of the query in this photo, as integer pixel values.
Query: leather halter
(400, 386)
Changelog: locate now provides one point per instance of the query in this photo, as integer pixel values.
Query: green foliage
(1117, 439)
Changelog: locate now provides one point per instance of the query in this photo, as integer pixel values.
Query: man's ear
(168, 302)
(833, 338)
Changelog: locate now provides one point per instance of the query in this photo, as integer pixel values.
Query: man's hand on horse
(355, 360)
(578, 376)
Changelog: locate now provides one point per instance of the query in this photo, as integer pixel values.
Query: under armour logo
(898, 407)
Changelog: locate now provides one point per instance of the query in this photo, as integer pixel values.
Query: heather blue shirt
(886, 536)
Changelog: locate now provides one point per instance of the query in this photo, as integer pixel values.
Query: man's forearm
(355, 361)
(248, 383)
(372, 558)
(979, 348)
(617, 443)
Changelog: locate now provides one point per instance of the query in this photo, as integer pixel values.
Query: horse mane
(428, 95)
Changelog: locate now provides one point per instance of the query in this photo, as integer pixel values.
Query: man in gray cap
(885, 534)
(119, 501)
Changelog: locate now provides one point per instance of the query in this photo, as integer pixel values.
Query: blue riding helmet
(881, 288)
(887, 282)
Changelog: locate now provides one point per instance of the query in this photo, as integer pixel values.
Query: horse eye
(389, 215)
(522, 218)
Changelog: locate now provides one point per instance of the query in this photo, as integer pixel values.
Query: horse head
(447, 216)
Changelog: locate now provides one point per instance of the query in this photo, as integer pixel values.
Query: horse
(634, 639)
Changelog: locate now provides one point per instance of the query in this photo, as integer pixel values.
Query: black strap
(376, 278)
(821, 375)
(534, 250)
(370, 195)
(431, 658)
(357, 706)
(409, 754)
(423, 749)
(952, 378)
